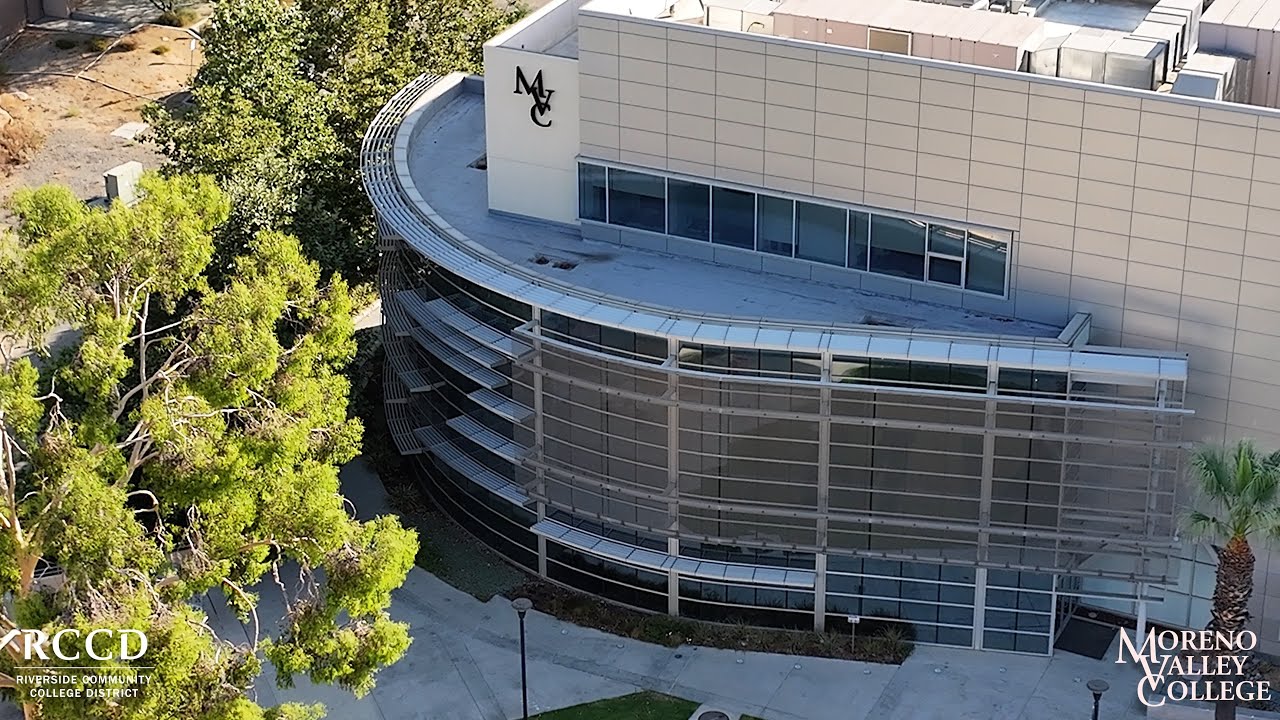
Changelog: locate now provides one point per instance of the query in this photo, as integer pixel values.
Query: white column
(1141, 613)
(979, 605)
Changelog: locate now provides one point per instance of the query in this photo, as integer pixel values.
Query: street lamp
(522, 606)
(1097, 687)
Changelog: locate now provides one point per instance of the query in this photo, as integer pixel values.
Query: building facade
(744, 327)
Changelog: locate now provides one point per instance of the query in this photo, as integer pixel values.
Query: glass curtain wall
(911, 249)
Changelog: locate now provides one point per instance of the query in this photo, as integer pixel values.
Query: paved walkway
(464, 665)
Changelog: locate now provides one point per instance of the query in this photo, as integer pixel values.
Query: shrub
(127, 44)
(98, 44)
(64, 43)
(178, 17)
(160, 50)
(887, 643)
(20, 139)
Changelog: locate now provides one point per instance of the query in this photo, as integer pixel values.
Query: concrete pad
(1062, 690)
(130, 130)
(825, 689)
(754, 681)
(947, 684)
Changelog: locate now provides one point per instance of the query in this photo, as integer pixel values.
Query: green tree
(1240, 489)
(283, 99)
(185, 440)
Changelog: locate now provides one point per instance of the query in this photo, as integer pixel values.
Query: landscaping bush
(160, 50)
(21, 137)
(178, 17)
(64, 43)
(888, 643)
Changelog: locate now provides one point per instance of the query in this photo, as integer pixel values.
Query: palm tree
(1240, 491)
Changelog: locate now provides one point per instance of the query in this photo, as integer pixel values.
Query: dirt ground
(81, 94)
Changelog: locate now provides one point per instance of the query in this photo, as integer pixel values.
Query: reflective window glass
(637, 200)
(946, 240)
(987, 260)
(774, 224)
(591, 189)
(897, 247)
(944, 270)
(820, 233)
(850, 369)
(859, 234)
(806, 365)
(688, 210)
(733, 218)
(744, 360)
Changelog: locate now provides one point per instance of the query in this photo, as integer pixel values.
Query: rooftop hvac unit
(1193, 10)
(1216, 77)
(1084, 54)
(1044, 59)
(754, 16)
(1163, 33)
(1135, 63)
(1181, 21)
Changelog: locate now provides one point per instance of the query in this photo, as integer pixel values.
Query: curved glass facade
(732, 481)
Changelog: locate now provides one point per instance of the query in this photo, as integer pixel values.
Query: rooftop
(444, 147)
(1064, 17)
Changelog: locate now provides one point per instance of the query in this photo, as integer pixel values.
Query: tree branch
(253, 609)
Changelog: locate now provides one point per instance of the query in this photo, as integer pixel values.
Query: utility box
(122, 182)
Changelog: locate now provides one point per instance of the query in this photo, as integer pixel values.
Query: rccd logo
(98, 644)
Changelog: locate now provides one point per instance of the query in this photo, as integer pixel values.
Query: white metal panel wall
(532, 169)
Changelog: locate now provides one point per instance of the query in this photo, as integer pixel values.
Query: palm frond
(1202, 525)
(1214, 472)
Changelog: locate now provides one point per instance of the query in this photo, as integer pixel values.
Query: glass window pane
(897, 247)
(774, 224)
(858, 235)
(944, 270)
(775, 362)
(715, 356)
(591, 192)
(637, 200)
(744, 360)
(733, 218)
(806, 365)
(689, 209)
(946, 240)
(987, 261)
(850, 369)
(820, 233)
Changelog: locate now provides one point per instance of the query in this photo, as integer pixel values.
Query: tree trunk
(1231, 592)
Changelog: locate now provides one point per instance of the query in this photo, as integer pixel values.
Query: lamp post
(1097, 687)
(522, 606)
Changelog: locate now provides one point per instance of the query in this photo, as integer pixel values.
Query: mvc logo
(536, 90)
(1193, 665)
(101, 644)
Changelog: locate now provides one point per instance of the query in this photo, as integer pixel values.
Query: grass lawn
(639, 706)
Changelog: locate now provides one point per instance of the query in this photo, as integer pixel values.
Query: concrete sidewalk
(464, 664)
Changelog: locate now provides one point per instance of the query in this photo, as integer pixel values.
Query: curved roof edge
(396, 200)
